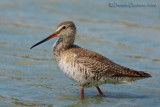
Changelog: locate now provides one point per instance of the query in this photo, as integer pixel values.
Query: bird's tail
(143, 74)
(134, 73)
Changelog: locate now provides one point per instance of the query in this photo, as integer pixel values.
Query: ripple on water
(135, 25)
(142, 57)
(23, 103)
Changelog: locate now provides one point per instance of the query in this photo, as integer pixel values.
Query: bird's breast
(71, 69)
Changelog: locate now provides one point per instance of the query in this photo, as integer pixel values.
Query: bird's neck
(61, 45)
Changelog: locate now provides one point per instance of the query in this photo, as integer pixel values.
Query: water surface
(128, 36)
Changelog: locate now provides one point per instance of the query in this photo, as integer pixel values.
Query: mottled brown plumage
(100, 67)
(103, 64)
(86, 67)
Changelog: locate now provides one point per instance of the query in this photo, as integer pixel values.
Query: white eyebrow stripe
(59, 28)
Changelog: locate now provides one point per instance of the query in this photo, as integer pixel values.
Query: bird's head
(64, 30)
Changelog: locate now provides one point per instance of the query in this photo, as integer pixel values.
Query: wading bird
(87, 68)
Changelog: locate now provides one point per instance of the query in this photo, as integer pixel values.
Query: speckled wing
(99, 65)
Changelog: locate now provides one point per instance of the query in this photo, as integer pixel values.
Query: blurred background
(123, 32)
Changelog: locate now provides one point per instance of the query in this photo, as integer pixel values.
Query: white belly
(72, 71)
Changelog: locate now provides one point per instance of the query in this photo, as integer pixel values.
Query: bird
(87, 68)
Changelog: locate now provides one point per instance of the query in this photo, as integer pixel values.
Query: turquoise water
(128, 36)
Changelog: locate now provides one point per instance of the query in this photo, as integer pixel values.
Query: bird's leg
(100, 92)
(82, 93)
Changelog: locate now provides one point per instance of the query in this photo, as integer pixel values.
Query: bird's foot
(103, 95)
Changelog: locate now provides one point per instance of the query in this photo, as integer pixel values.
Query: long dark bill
(48, 38)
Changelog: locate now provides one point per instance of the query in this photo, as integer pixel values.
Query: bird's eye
(64, 27)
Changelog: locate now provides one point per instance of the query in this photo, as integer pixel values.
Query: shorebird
(87, 68)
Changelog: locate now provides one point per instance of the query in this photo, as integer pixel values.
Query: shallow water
(128, 36)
